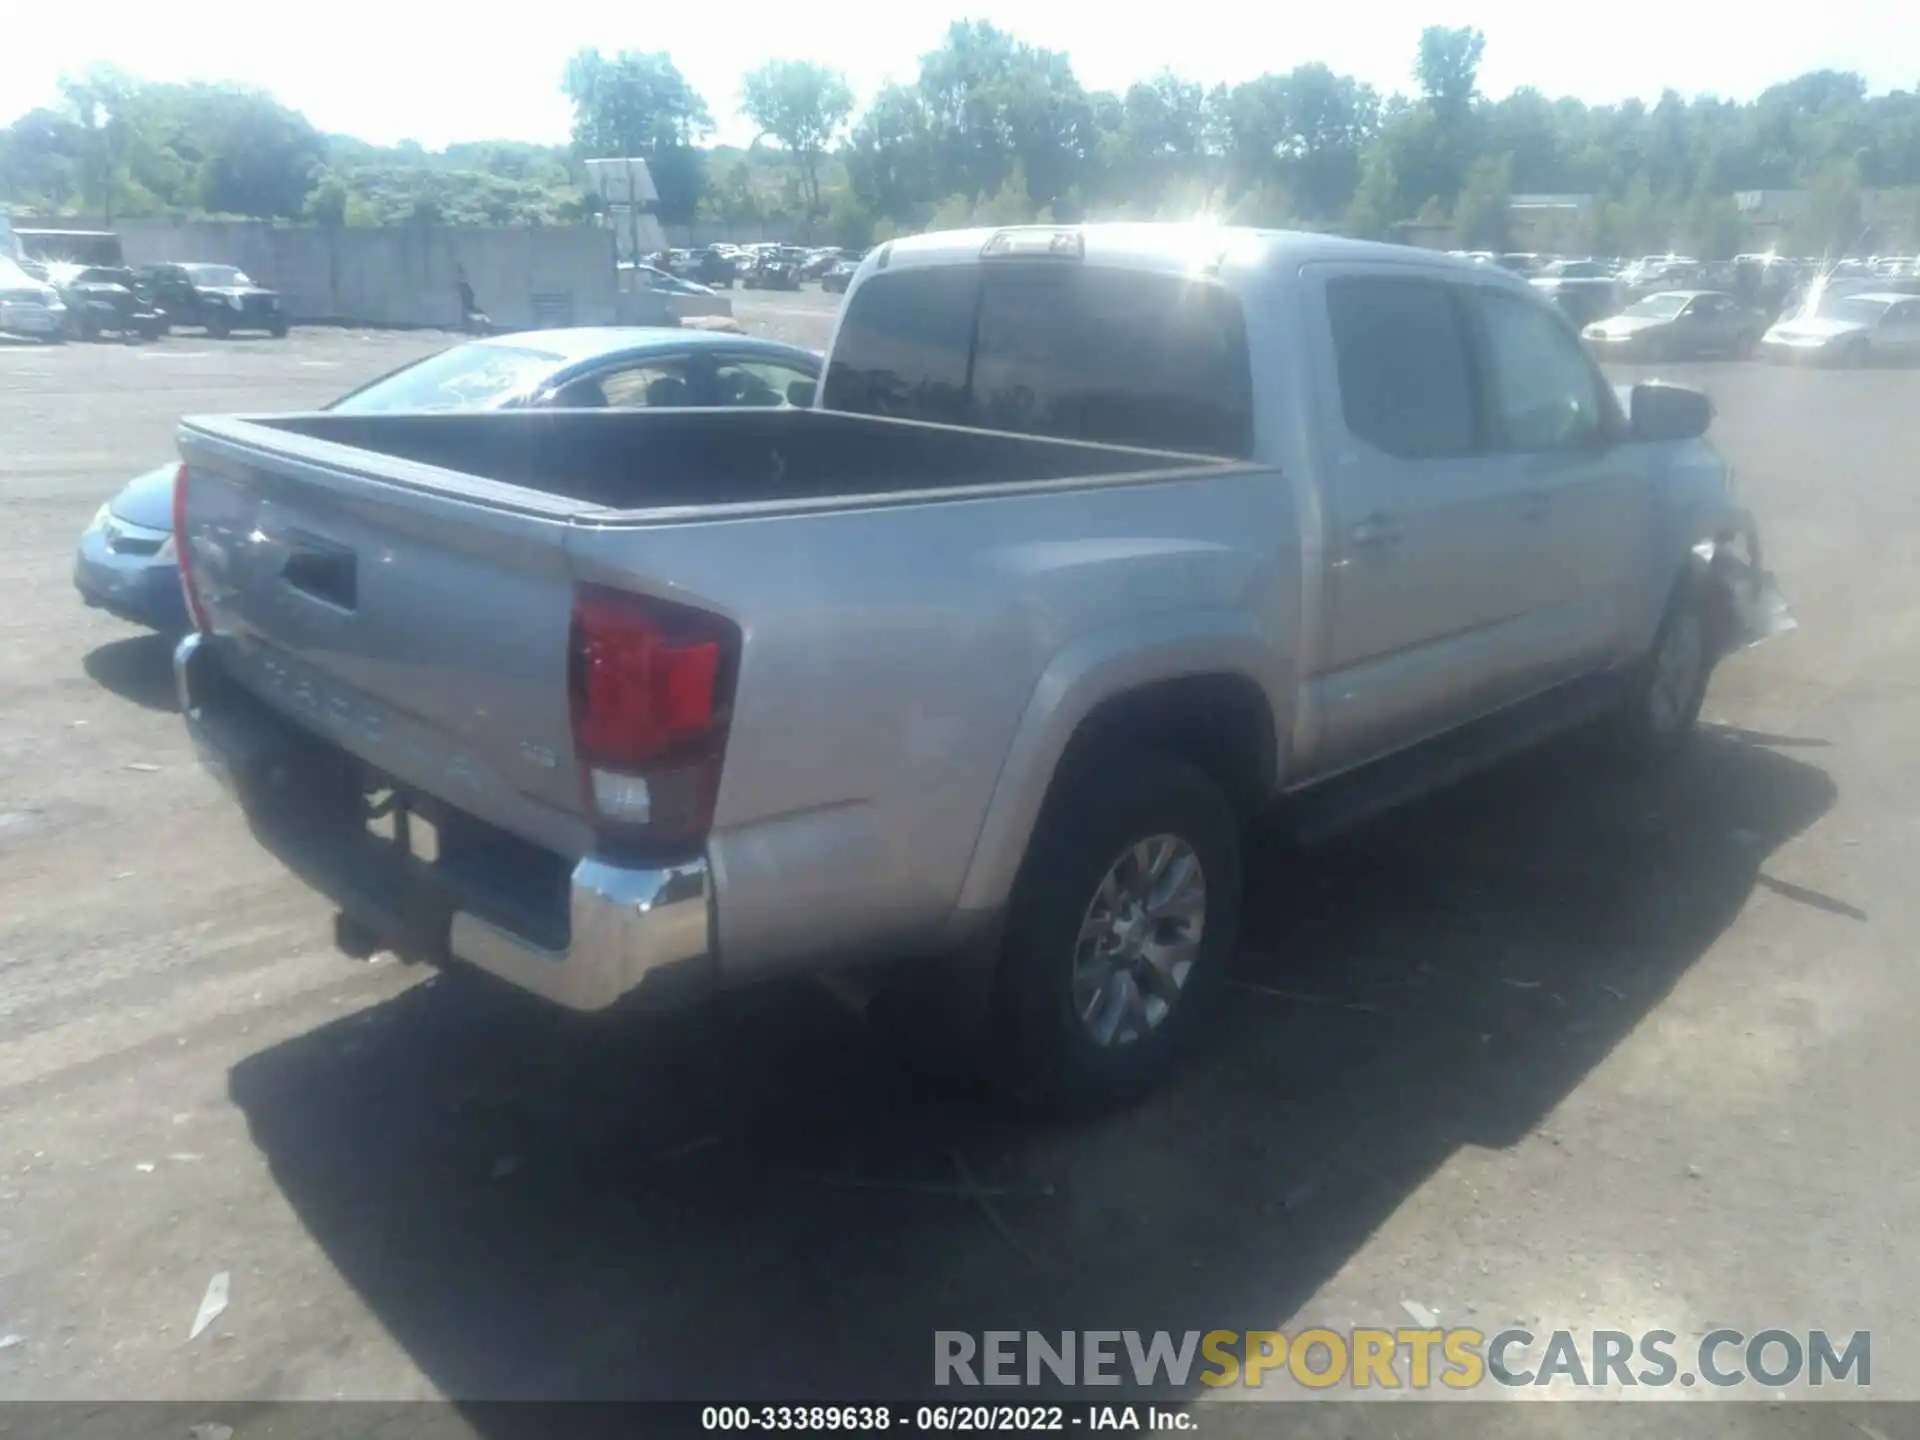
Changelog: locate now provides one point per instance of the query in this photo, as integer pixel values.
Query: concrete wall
(522, 276)
(722, 232)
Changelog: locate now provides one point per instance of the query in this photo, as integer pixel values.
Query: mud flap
(1744, 603)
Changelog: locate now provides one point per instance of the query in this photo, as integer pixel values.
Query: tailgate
(420, 627)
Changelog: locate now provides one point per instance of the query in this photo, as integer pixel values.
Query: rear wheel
(278, 329)
(1122, 923)
(219, 327)
(1853, 353)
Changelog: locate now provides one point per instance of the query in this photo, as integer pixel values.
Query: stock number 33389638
(921, 1418)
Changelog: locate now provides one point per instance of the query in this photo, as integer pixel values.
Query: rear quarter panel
(892, 654)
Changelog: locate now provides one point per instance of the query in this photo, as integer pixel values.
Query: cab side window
(1543, 392)
(1405, 374)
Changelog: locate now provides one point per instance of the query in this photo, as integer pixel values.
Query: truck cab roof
(1156, 246)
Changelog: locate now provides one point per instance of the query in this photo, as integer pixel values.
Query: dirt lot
(1557, 1049)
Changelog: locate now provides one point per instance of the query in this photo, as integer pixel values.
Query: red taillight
(183, 553)
(650, 685)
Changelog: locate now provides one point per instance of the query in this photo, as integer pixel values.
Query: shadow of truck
(755, 1202)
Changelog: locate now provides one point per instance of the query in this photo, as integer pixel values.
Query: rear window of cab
(1064, 350)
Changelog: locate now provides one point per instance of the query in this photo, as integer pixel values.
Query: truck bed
(641, 459)
(403, 585)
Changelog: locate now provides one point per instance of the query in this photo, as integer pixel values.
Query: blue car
(126, 562)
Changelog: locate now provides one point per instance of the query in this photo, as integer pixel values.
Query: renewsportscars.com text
(1391, 1359)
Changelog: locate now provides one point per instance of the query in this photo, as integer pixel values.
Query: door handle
(1377, 529)
(1534, 505)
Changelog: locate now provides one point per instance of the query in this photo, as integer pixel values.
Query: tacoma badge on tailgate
(400, 745)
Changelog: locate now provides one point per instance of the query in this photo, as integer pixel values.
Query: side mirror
(800, 394)
(1668, 412)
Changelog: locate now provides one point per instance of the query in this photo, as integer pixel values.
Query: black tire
(1853, 354)
(278, 329)
(1657, 719)
(1040, 1048)
(219, 328)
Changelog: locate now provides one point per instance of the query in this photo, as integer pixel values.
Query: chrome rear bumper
(626, 925)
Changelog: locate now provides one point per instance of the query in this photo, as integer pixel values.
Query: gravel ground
(1557, 1048)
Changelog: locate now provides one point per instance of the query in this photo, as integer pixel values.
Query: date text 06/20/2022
(944, 1419)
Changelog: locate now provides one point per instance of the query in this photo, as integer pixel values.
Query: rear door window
(1400, 352)
(1119, 357)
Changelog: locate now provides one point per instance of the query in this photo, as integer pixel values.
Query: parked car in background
(678, 299)
(106, 300)
(126, 563)
(1584, 290)
(1678, 325)
(818, 262)
(30, 307)
(966, 684)
(716, 267)
(220, 299)
(1821, 289)
(1521, 262)
(1765, 282)
(708, 266)
(1654, 273)
(839, 276)
(1851, 329)
(772, 270)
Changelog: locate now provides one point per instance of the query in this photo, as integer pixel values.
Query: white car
(1849, 330)
(29, 306)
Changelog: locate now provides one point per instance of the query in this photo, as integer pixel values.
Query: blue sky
(403, 69)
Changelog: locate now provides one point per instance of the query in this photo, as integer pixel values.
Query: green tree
(1830, 223)
(41, 156)
(1712, 226)
(1449, 72)
(639, 104)
(890, 155)
(1160, 139)
(100, 104)
(255, 157)
(803, 106)
(1527, 129)
(1377, 203)
(1482, 217)
(991, 100)
(1304, 130)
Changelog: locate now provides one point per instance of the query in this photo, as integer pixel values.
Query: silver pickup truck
(966, 677)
